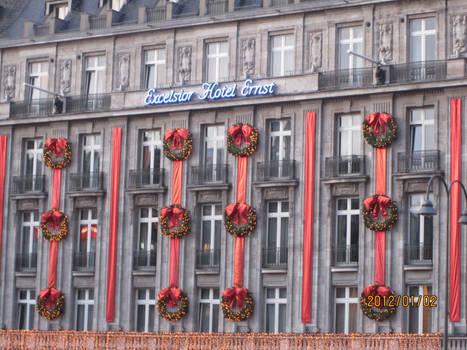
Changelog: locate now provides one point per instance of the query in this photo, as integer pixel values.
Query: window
(217, 61)
(209, 310)
(95, 75)
(420, 317)
(422, 129)
(211, 226)
(420, 246)
(59, 10)
(276, 306)
(282, 55)
(422, 39)
(145, 305)
(349, 143)
(277, 234)
(280, 139)
(148, 220)
(214, 143)
(347, 226)
(117, 5)
(350, 38)
(346, 310)
(27, 257)
(84, 309)
(33, 164)
(154, 68)
(88, 229)
(38, 77)
(91, 159)
(26, 308)
(151, 147)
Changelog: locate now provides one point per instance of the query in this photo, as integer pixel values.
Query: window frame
(148, 303)
(347, 213)
(150, 220)
(283, 48)
(93, 148)
(354, 62)
(86, 303)
(279, 216)
(153, 144)
(353, 128)
(423, 124)
(43, 63)
(421, 310)
(96, 69)
(211, 301)
(214, 244)
(421, 228)
(276, 301)
(158, 81)
(33, 225)
(423, 36)
(29, 302)
(281, 134)
(37, 153)
(218, 56)
(346, 301)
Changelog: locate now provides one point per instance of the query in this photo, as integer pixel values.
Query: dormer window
(58, 9)
(115, 5)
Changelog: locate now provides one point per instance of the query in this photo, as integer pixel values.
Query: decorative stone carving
(86, 202)
(316, 48)
(146, 200)
(123, 71)
(385, 42)
(65, 76)
(28, 204)
(459, 35)
(276, 193)
(184, 64)
(344, 189)
(9, 82)
(248, 55)
(209, 196)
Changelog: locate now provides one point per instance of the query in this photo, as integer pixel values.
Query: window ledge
(83, 273)
(29, 195)
(345, 269)
(147, 190)
(344, 179)
(422, 267)
(144, 272)
(417, 175)
(25, 274)
(206, 271)
(209, 187)
(99, 193)
(276, 183)
(273, 271)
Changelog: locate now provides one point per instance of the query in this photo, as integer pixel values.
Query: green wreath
(246, 309)
(50, 313)
(378, 294)
(242, 133)
(178, 144)
(379, 129)
(232, 219)
(48, 218)
(169, 226)
(168, 295)
(57, 148)
(370, 212)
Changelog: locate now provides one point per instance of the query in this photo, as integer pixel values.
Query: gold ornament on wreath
(175, 221)
(374, 206)
(54, 221)
(178, 144)
(239, 219)
(377, 302)
(50, 303)
(171, 297)
(57, 153)
(239, 298)
(242, 133)
(379, 129)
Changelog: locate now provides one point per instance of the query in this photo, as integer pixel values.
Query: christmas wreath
(379, 129)
(57, 153)
(56, 221)
(239, 219)
(239, 133)
(382, 297)
(170, 297)
(239, 298)
(50, 303)
(375, 205)
(178, 144)
(175, 221)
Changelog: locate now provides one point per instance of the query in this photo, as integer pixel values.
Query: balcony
(275, 258)
(418, 72)
(28, 184)
(87, 182)
(280, 3)
(417, 162)
(344, 166)
(87, 103)
(84, 262)
(32, 108)
(275, 170)
(156, 14)
(208, 175)
(141, 178)
(418, 254)
(97, 22)
(144, 259)
(345, 255)
(26, 262)
(208, 259)
(217, 7)
(346, 79)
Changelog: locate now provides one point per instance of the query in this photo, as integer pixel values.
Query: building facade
(104, 56)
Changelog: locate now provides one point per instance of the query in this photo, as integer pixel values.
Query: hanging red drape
(56, 184)
(239, 248)
(3, 140)
(175, 242)
(177, 182)
(310, 145)
(114, 193)
(242, 168)
(455, 271)
(53, 251)
(380, 236)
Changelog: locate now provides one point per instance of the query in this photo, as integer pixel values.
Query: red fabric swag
(238, 211)
(172, 295)
(378, 121)
(53, 218)
(51, 296)
(235, 296)
(239, 132)
(379, 204)
(56, 145)
(175, 215)
(177, 135)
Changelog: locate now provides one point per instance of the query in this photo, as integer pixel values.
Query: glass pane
(353, 292)
(218, 209)
(215, 318)
(284, 232)
(90, 312)
(141, 294)
(149, 55)
(22, 322)
(430, 48)
(429, 137)
(415, 25)
(276, 41)
(354, 222)
(284, 207)
(413, 320)
(414, 233)
(215, 293)
(204, 317)
(269, 318)
(276, 63)
(341, 231)
(343, 58)
(80, 317)
(282, 317)
(340, 292)
(288, 62)
(416, 138)
(283, 293)
(286, 152)
(149, 76)
(340, 318)
(342, 204)
(429, 23)
(272, 207)
(415, 49)
(270, 293)
(143, 236)
(206, 210)
(206, 236)
(275, 144)
(140, 315)
(355, 203)
(353, 312)
(272, 233)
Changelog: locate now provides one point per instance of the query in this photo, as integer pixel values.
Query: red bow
(172, 294)
(377, 121)
(177, 135)
(239, 212)
(51, 296)
(235, 296)
(56, 145)
(84, 231)
(238, 132)
(176, 214)
(53, 218)
(374, 290)
(379, 204)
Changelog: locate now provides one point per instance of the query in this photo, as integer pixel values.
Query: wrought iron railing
(88, 103)
(345, 255)
(41, 29)
(87, 181)
(418, 71)
(97, 22)
(420, 161)
(208, 258)
(275, 170)
(217, 7)
(26, 262)
(145, 178)
(346, 79)
(275, 258)
(156, 14)
(84, 261)
(245, 5)
(208, 174)
(144, 259)
(344, 166)
(32, 108)
(28, 183)
(277, 3)
(418, 253)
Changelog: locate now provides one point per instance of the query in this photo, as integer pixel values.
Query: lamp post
(427, 210)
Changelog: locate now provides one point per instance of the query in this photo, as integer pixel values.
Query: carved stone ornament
(123, 71)
(385, 42)
(184, 64)
(248, 56)
(9, 82)
(65, 76)
(316, 48)
(459, 35)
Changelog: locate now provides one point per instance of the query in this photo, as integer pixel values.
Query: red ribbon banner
(174, 214)
(374, 290)
(235, 296)
(380, 236)
(51, 296)
(3, 146)
(238, 212)
(379, 205)
(53, 219)
(56, 145)
(177, 135)
(378, 121)
(239, 132)
(172, 295)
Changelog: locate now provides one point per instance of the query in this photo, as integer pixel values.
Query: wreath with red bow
(242, 133)
(50, 303)
(56, 221)
(384, 295)
(178, 144)
(239, 219)
(374, 206)
(239, 298)
(170, 297)
(57, 153)
(379, 129)
(175, 221)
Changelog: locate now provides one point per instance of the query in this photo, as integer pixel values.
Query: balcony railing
(275, 170)
(140, 178)
(32, 108)
(87, 182)
(26, 262)
(277, 3)
(41, 29)
(418, 254)
(418, 71)
(344, 166)
(244, 5)
(420, 161)
(346, 79)
(87, 103)
(275, 258)
(84, 261)
(208, 259)
(345, 255)
(144, 259)
(97, 22)
(27, 184)
(209, 174)
(217, 7)
(156, 14)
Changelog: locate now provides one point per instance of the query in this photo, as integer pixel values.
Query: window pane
(140, 315)
(355, 203)
(272, 232)
(342, 204)
(90, 312)
(429, 137)
(340, 292)
(340, 318)
(282, 292)
(206, 210)
(215, 318)
(353, 312)
(415, 49)
(204, 317)
(282, 317)
(270, 293)
(80, 317)
(273, 207)
(429, 23)
(269, 318)
(430, 48)
(416, 138)
(341, 230)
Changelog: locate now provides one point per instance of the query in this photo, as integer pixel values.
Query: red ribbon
(377, 121)
(235, 296)
(51, 296)
(176, 214)
(172, 295)
(379, 204)
(53, 218)
(56, 145)
(238, 211)
(177, 135)
(381, 291)
(237, 132)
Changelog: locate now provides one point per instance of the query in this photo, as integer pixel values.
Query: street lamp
(427, 210)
